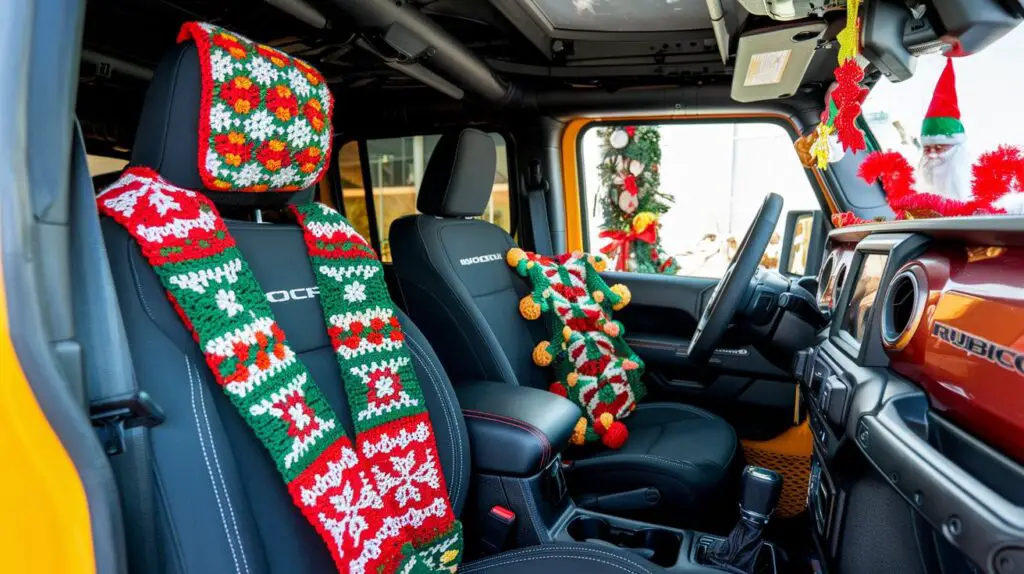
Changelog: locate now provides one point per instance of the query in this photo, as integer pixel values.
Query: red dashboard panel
(967, 351)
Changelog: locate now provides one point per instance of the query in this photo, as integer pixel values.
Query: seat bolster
(563, 559)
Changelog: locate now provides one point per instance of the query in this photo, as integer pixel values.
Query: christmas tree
(631, 200)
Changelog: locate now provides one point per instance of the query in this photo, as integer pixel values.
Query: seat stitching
(220, 474)
(209, 467)
(531, 507)
(453, 428)
(580, 550)
(137, 283)
(503, 366)
(533, 431)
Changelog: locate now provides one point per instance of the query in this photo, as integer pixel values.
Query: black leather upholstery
(460, 198)
(221, 504)
(515, 431)
(456, 285)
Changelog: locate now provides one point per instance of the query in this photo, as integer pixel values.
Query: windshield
(989, 89)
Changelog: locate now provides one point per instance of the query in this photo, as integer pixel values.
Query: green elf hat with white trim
(942, 124)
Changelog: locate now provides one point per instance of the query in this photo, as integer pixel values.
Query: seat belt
(120, 412)
(536, 193)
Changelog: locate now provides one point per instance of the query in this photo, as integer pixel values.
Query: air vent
(903, 307)
(840, 281)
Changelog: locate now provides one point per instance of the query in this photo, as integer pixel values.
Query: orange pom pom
(514, 256)
(624, 295)
(558, 389)
(611, 328)
(599, 263)
(541, 356)
(615, 436)
(598, 296)
(529, 309)
(629, 365)
(572, 378)
(579, 433)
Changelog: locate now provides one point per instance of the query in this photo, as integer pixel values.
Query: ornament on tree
(594, 366)
(630, 188)
(619, 139)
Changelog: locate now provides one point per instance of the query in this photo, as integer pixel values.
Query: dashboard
(918, 384)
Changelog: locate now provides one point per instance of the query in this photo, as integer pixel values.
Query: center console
(517, 436)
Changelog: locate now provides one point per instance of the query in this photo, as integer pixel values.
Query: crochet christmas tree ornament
(594, 366)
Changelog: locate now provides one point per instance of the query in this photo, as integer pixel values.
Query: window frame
(362, 142)
(823, 194)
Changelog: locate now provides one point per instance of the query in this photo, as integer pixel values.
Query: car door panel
(739, 383)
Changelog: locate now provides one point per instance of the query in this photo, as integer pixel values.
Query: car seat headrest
(227, 116)
(459, 175)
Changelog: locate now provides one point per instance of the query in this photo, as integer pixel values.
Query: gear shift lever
(759, 493)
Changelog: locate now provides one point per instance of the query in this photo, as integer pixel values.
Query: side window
(396, 167)
(676, 198)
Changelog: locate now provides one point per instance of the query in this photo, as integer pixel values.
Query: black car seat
(455, 284)
(221, 505)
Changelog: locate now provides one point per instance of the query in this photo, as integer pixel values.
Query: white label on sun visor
(767, 68)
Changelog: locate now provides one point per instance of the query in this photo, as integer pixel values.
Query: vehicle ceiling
(124, 39)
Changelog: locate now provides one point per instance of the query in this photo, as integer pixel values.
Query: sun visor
(771, 63)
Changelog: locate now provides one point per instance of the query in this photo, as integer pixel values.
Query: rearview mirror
(803, 243)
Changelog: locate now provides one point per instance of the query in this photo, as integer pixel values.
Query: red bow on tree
(622, 242)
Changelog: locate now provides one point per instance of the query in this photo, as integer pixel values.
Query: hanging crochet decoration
(638, 243)
(844, 99)
(593, 364)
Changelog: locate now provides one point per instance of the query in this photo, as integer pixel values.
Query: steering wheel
(731, 290)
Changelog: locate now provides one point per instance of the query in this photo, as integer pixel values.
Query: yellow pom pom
(541, 356)
(529, 264)
(599, 263)
(643, 220)
(529, 309)
(598, 296)
(572, 378)
(606, 419)
(624, 295)
(566, 332)
(579, 433)
(514, 256)
(449, 556)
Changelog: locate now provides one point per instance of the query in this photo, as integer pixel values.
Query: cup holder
(654, 544)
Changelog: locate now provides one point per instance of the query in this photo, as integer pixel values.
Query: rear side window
(396, 167)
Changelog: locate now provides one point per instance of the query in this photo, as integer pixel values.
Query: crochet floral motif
(264, 118)
(380, 503)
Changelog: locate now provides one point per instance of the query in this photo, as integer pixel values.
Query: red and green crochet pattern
(594, 366)
(380, 503)
(264, 120)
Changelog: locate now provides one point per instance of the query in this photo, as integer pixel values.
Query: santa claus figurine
(945, 167)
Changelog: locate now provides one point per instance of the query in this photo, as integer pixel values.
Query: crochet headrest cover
(224, 114)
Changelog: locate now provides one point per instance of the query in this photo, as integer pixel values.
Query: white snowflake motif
(298, 415)
(260, 125)
(163, 202)
(407, 477)
(352, 522)
(262, 71)
(299, 83)
(283, 177)
(355, 292)
(226, 302)
(300, 133)
(251, 174)
(222, 65)
(221, 117)
(213, 162)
